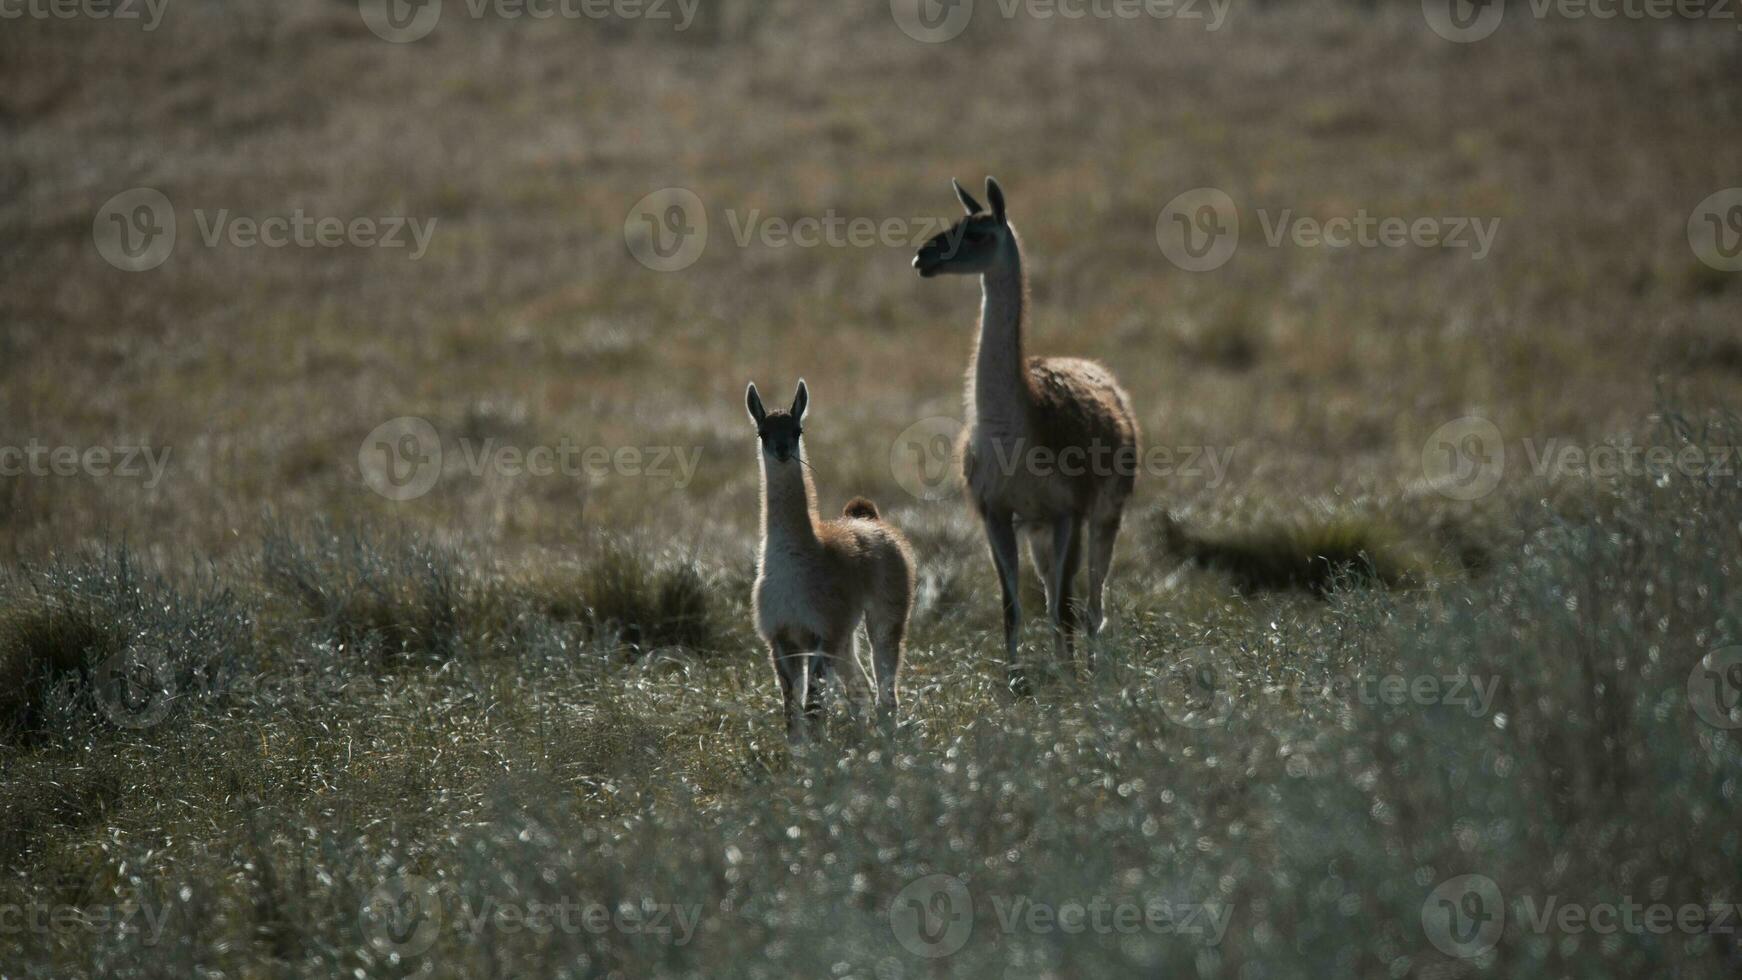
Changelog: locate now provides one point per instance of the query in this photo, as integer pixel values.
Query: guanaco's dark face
(778, 431)
(971, 245)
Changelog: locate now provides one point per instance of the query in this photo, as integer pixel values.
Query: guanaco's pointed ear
(753, 402)
(968, 203)
(801, 401)
(996, 194)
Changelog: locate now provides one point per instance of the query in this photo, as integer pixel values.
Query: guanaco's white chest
(782, 594)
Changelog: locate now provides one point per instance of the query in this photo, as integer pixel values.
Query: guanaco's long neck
(789, 506)
(1000, 392)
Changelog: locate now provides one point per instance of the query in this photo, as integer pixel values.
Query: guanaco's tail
(860, 507)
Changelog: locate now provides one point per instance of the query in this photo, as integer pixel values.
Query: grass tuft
(74, 636)
(399, 595)
(643, 600)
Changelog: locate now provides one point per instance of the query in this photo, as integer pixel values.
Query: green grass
(530, 767)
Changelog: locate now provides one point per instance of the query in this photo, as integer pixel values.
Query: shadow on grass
(1312, 556)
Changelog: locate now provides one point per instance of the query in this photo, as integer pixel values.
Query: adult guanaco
(1050, 446)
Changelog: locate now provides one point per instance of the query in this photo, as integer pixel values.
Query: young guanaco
(818, 579)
